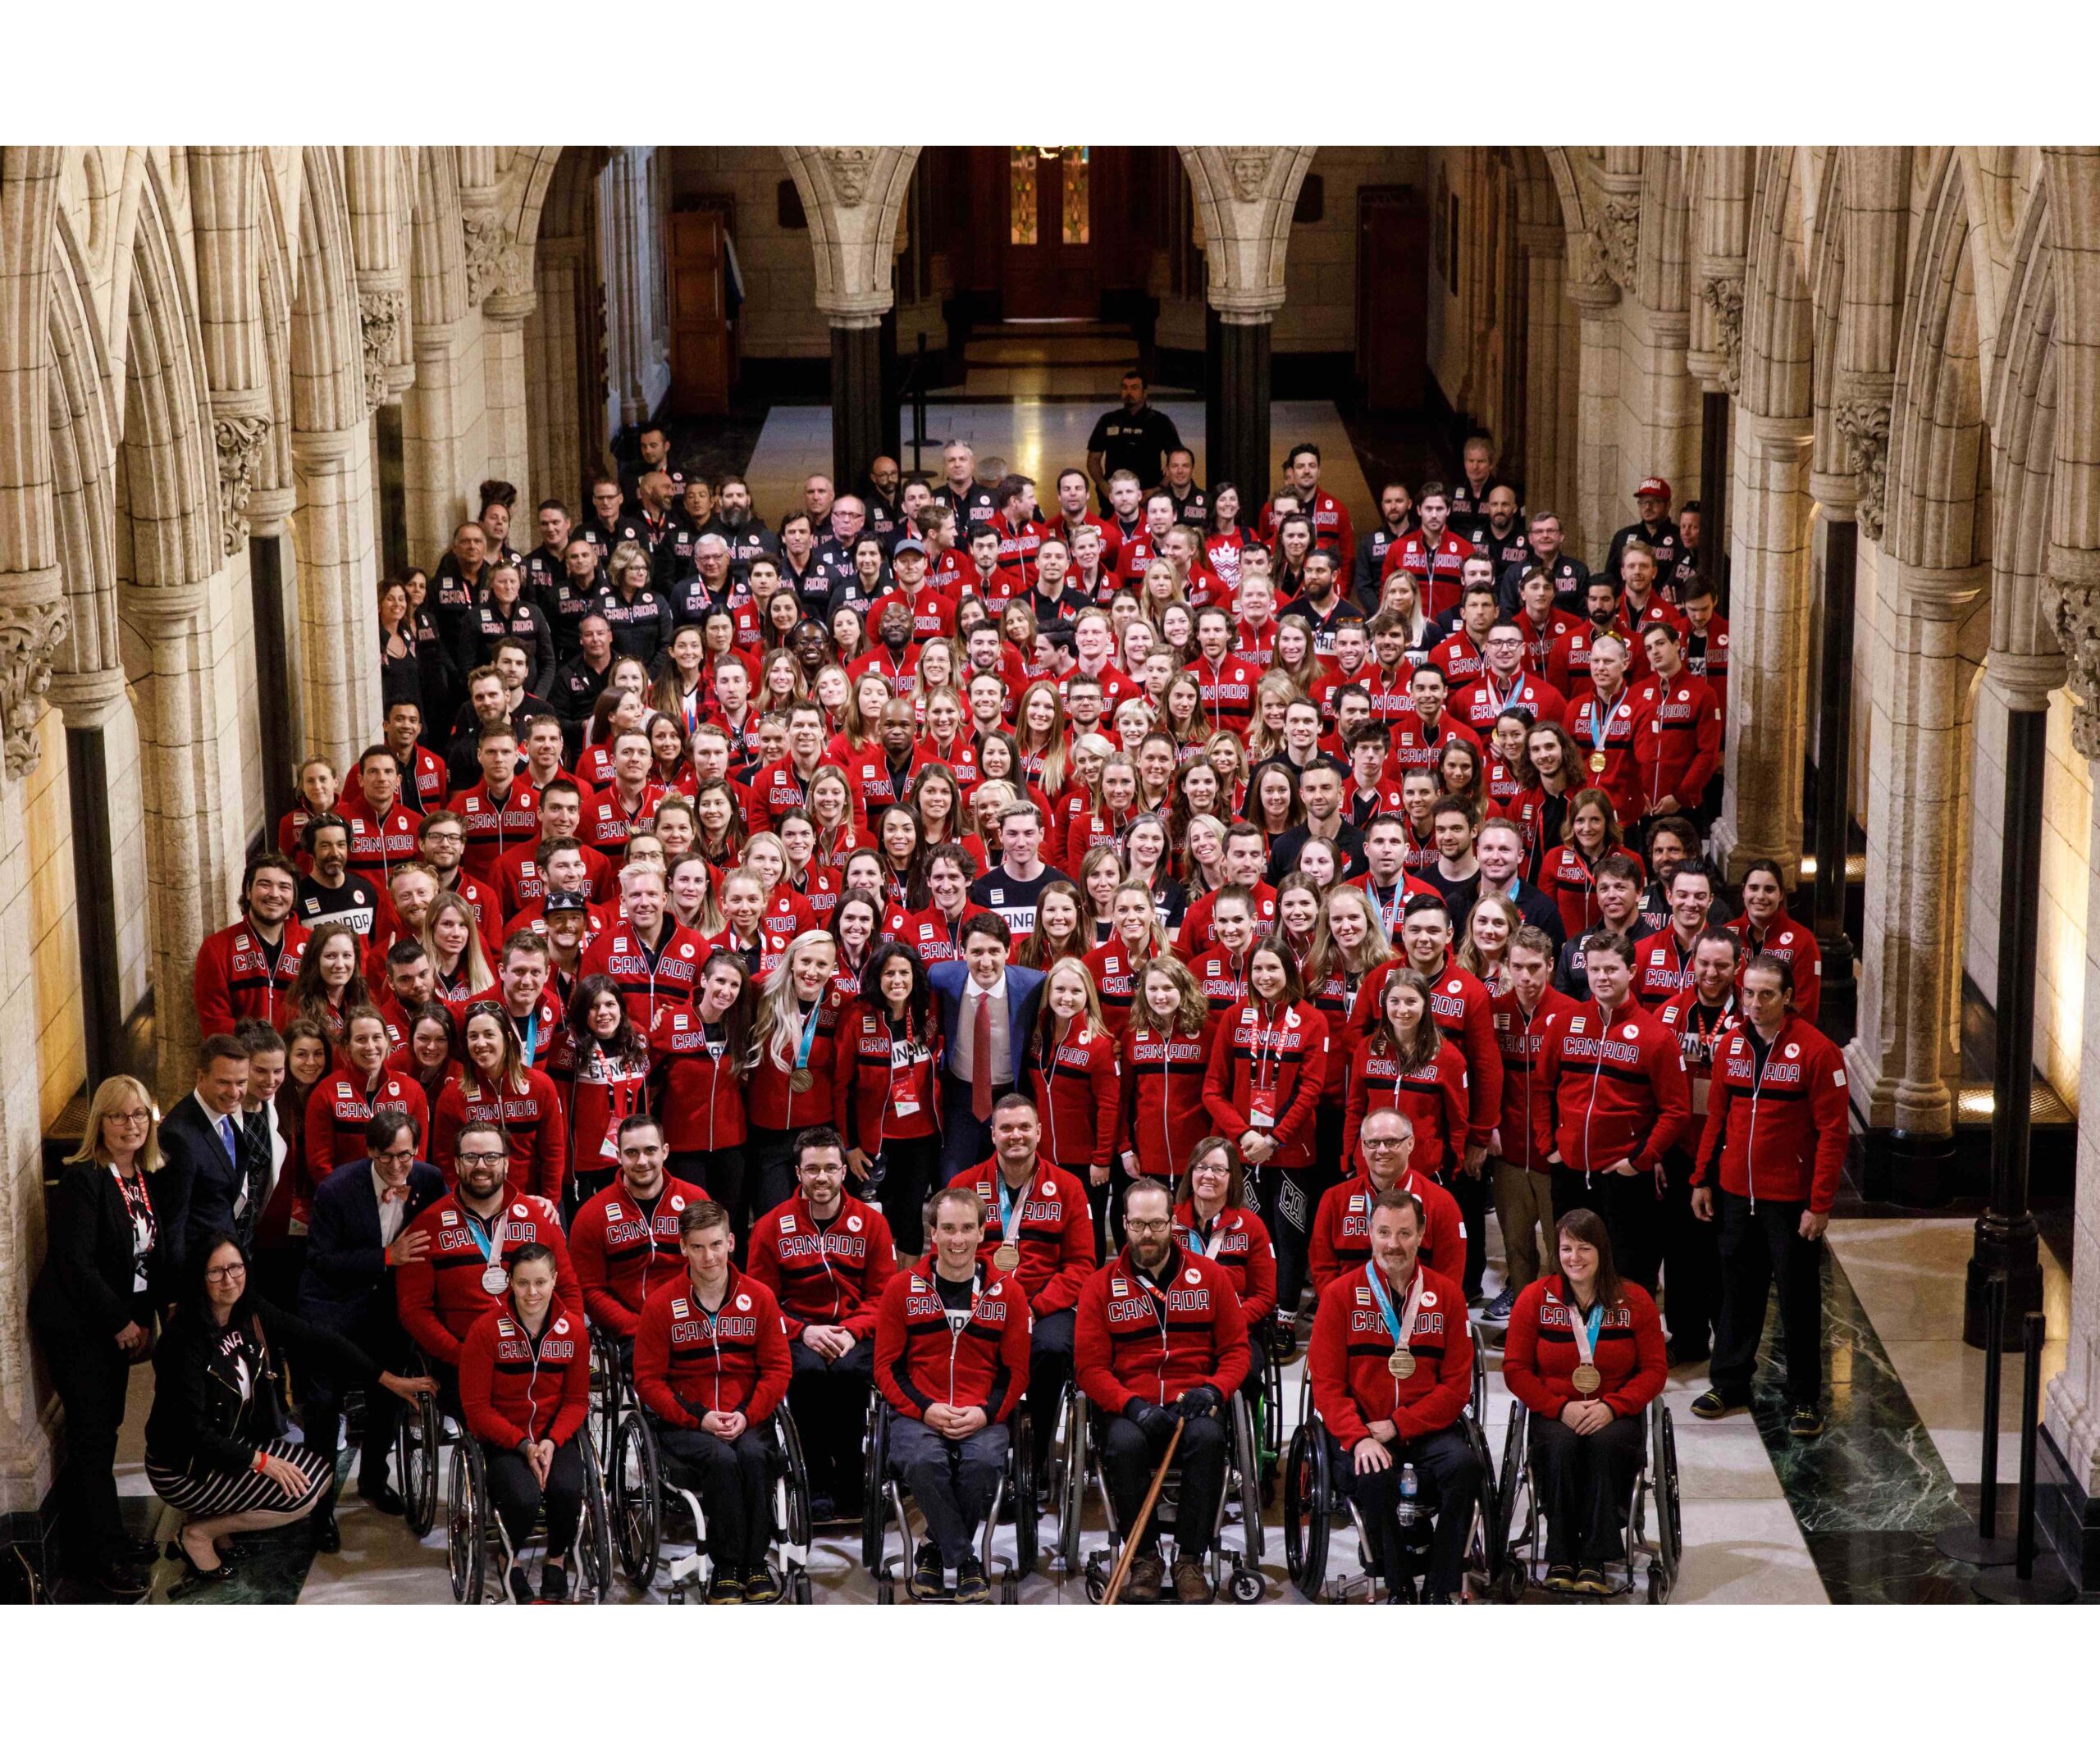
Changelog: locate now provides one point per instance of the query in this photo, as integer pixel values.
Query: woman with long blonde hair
(452, 935)
(790, 1059)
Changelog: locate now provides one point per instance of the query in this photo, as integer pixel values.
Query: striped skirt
(205, 1494)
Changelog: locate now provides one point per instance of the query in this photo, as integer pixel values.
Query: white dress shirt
(972, 993)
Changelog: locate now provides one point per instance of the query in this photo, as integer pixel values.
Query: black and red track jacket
(1340, 1241)
(1618, 1089)
(1056, 1230)
(1280, 1055)
(831, 1274)
(439, 1296)
(624, 1249)
(688, 1361)
(1352, 1387)
(1079, 1092)
(237, 978)
(1239, 1244)
(922, 1360)
(1777, 1130)
(515, 1388)
(1539, 1356)
(1141, 1338)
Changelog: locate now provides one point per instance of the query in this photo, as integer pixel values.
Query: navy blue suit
(966, 1140)
(201, 1178)
(347, 1287)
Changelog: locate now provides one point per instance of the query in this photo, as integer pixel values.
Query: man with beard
(1321, 604)
(747, 535)
(1137, 436)
(331, 893)
(1569, 575)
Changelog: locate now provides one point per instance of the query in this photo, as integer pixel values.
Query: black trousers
(520, 1499)
(1473, 1196)
(1757, 1244)
(1049, 1366)
(1448, 1482)
(1128, 1459)
(380, 1336)
(1289, 1196)
(911, 1175)
(92, 1376)
(952, 1482)
(734, 1479)
(1691, 1260)
(1105, 1201)
(719, 1173)
(830, 1402)
(770, 1180)
(1586, 1488)
(1632, 1216)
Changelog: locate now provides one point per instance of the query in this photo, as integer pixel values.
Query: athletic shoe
(1141, 1585)
(1192, 1586)
(1559, 1578)
(1497, 1311)
(725, 1586)
(1710, 1405)
(970, 1587)
(1592, 1581)
(926, 1575)
(521, 1588)
(554, 1583)
(760, 1588)
(1806, 1424)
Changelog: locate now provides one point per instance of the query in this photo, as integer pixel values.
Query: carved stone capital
(1249, 167)
(1863, 423)
(848, 169)
(240, 437)
(1615, 240)
(29, 633)
(1722, 293)
(380, 311)
(486, 242)
(2073, 609)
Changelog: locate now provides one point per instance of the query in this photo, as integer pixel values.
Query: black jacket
(85, 1284)
(201, 1181)
(199, 1413)
(346, 1265)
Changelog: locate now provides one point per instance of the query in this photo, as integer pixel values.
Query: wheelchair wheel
(1071, 1508)
(594, 1538)
(1514, 1484)
(793, 1527)
(467, 1526)
(603, 1420)
(1307, 1509)
(416, 1438)
(1246, 1459)
(1479, 1382)
(1022, 1447)
(1484, 1554)
(874, 1502)
(1248, 1586)
(638, 1499)
(1669, 1515)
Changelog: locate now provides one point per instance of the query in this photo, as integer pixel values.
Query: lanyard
(1012, 1203)
(1584, 1332)
(1213, 1244)
(490, 1247)
(138, 1206)
(1600, 722)
(531, 1042)
(1401, 1328)
(1267, 1052)
(808, 1035)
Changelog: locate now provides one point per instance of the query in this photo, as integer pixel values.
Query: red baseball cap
(1653, 487)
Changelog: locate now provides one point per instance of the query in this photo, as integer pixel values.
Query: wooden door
(1051, 266)
(1392, 297)
(700, 365)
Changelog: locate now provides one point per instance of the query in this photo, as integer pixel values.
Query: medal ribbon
(808, 1035)
(1401, 1328)
(1584, 1332)
(491, 1246)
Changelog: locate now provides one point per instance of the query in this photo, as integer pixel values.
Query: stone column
(1598, 483)
(859, 430)
(1905, 1049)
(1832, 830)
(173, 656)
(505, 421)
(1551, 387)
(437, 466)
(338, 567)
(1767, 684)
(1239, 449)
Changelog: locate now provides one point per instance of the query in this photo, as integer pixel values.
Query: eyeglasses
(1132, 1225)
(495, 1156)
(445, 838)
(129, 1118)
(408, 1155)
(1380, 1144)
(224, 1273)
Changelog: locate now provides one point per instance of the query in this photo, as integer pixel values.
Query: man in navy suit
(358, 1234)
(206, 1171)
(985, 1002)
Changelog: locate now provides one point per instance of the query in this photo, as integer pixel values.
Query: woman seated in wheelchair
(1585, 1356)
(711, 1365)
(1391, 1363)
(525, 1387)
(1212, 1217)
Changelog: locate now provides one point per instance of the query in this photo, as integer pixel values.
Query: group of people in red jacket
(1343, 889)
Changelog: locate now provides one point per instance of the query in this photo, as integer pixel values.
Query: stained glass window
(1021, 200)
(1078, 219)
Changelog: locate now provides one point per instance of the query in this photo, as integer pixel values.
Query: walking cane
(1144, 1519)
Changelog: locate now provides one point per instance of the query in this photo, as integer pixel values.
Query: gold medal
(1400, 1364)
(1006, 1256)
(1597, 762)
(799, 1081)
(1585, 1379)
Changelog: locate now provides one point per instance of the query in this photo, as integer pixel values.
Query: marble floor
(1850, 1518)
(1039, 438)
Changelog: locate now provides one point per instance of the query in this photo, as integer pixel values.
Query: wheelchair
(1314, 1497)
(1520, 1532)
(1080, 1468)
(612, 1394)
(425, 1430)
(473, 1533)
(884, 1505)
(647, 1483)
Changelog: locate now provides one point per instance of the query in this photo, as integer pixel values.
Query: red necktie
(980, 1060)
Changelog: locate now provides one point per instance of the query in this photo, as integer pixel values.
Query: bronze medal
(1400, 1364)
(1597, 762)
(800, 1081)
(1585, 1379)
(1006, 1256)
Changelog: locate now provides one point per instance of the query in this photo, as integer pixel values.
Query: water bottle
(1408, 1487)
